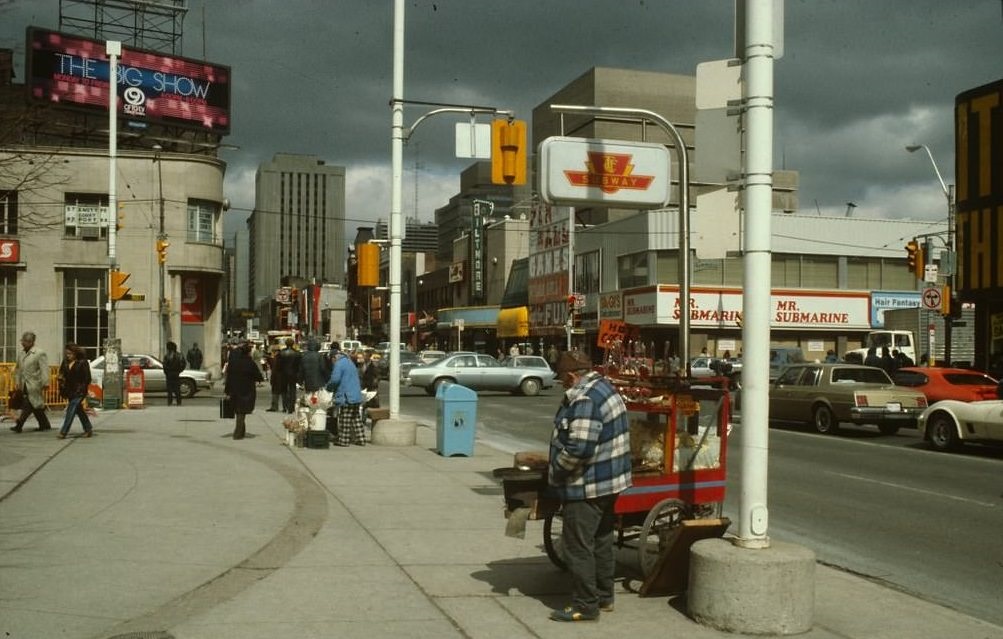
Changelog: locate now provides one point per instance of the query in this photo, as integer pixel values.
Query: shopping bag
(225, 408)
(15, 401)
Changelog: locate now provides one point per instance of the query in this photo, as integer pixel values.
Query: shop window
(85, 215)
(667, 267)
(85, 319)
(202, 216)
(632, 270)
(9, 339)
(8, 213)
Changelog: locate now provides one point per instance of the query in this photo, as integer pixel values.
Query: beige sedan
(824, 395)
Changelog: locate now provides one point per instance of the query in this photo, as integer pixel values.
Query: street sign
(577, 171)
(931, 298)
(930, 273)
(579, 301)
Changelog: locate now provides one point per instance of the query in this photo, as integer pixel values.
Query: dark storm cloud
(859, 80)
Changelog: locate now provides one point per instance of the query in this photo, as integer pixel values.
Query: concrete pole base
(395, 432)
(769, 591)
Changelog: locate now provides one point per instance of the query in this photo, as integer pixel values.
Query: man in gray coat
(31, 375)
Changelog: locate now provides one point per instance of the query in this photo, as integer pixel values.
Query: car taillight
(861, 400)
(921, 402)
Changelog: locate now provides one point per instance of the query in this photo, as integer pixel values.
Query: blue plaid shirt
(590, 447)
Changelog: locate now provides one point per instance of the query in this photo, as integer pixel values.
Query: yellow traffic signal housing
(508, 152)
(117, 289)
(945, 300)
(162, 251)
(368, 268)
(913, 255)
(920, 266)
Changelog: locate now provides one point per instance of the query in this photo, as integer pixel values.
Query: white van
(349, 345)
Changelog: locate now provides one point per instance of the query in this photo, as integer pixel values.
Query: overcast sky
(859, 81)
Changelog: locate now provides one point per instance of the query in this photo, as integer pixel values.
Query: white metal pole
(754, 515)
(571, 270)
(397, 169)
(113, 48)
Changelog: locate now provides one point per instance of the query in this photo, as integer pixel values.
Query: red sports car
(960, 384)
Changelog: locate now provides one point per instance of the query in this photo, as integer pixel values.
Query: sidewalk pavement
(163, 526)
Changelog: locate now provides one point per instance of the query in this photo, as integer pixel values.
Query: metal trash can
(455, 420)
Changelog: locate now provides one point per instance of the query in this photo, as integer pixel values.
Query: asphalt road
(924, 522)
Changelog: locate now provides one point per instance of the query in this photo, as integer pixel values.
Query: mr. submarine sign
(578, 171)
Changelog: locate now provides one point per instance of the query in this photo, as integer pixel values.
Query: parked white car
(192, 381)
(948, 424)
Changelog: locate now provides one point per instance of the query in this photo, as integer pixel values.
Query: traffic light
(368, 256)
(117, 289)
(120, 217)
(162, 251)
(571, 309)
(914, 257)
(945, 300)
(508, 152)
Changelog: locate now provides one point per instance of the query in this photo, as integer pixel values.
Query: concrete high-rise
(297, 229)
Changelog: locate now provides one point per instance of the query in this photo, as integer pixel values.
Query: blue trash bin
(455, 420)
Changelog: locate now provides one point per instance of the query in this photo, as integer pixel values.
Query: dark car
(408, 360)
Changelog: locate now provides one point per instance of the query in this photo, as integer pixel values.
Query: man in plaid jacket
(589, 466)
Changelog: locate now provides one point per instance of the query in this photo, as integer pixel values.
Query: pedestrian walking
(589, 466)
(31, 377)
(173, 365)
(194, 357)
(552, 355)
(242, 377)
(314, 370)
(290, 361)
(74, 378)
(887, 361)
(346, 386)
(275, 380)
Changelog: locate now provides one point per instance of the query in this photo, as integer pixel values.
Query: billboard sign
(576, 171)
(70, 71)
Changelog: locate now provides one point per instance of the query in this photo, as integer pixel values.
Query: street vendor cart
(678, 434)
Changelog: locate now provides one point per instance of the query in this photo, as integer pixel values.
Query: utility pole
(161, 239)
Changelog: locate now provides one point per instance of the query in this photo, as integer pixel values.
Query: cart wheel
(664, 516)
(553, 526)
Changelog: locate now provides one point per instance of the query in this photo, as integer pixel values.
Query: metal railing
(52, 397)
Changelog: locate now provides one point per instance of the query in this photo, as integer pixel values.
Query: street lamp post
(949, 195)
(161, 237)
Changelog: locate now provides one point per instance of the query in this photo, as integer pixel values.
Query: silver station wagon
(525, 374)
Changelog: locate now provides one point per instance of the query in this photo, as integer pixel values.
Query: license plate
(894, 407)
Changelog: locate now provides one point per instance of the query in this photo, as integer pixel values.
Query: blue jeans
(75, 407)
(587, 538)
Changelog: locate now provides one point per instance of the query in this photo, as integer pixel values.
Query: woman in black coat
(242, 377)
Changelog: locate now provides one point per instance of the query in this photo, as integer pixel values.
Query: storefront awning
(513, 322)
(472, 316)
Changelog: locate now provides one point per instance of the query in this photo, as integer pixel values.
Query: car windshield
(969, 379)
(528, 362)
(860, 375)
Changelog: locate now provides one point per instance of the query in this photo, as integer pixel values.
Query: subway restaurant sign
(578, 171)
